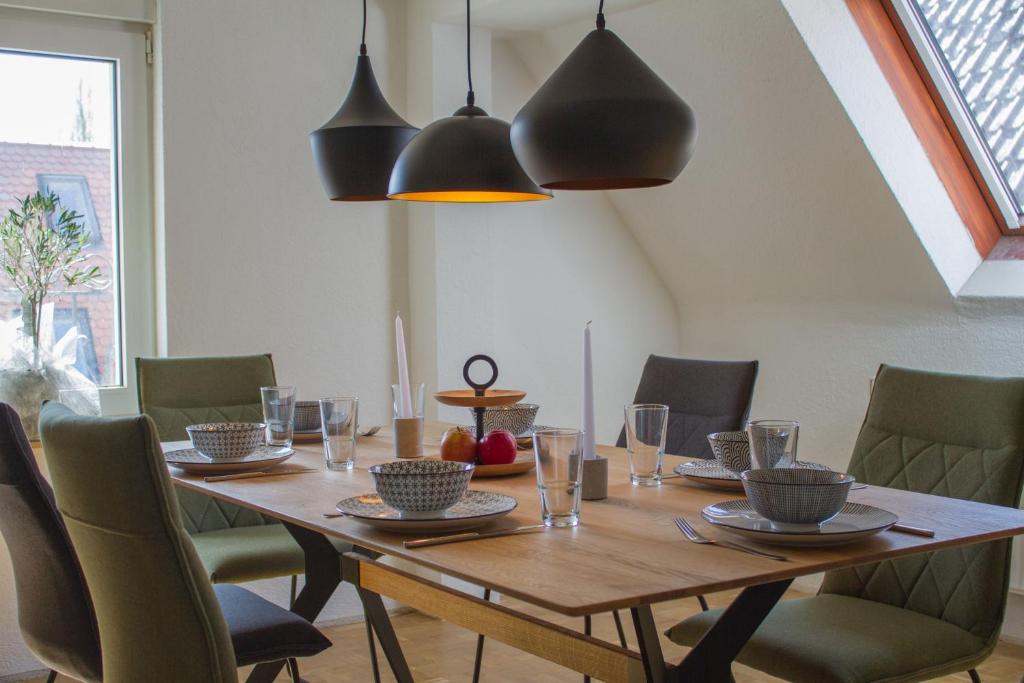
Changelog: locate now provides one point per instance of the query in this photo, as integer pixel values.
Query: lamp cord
(470, 96)
(600, 14)
(362, 44)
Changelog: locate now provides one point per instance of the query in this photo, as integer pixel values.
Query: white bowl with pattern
(421, 489)
(516, 418)
(800, 497)
(307, 416)
(226, 440)
(731, 449)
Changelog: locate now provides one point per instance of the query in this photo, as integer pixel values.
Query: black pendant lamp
(604, 120)
(355, 151)
(463, 158)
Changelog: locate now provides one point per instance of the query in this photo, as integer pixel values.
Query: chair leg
(51, 677)
(480, 646)
(293, 670)
(703, 603)
(373, 652)
(975, 678)
(295, 590)
(621, 631)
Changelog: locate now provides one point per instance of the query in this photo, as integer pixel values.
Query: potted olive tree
(42, 254)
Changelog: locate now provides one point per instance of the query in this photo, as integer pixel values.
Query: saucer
(853, 523)
(710, 473)
(193, 462)
(475, 509)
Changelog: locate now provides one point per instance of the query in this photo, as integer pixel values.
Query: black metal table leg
(323, 574)
(710, 661)
(377, 615)
(647, 637)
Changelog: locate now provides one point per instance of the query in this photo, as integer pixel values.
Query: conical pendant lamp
(604, 120)
(465, 157)
(356, 150)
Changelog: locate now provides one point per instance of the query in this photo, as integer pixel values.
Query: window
(81, 129)
(972, 52)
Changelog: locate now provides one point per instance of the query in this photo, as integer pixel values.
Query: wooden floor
(439, 653)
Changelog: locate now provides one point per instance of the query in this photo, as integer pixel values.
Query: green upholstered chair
(159, 617)
(923, 616)
(235, 544)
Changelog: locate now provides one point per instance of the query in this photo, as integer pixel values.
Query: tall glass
(416, 392)
(559, 454)
(772, 443)
(279, 414)
(339, 420)
(646, 428)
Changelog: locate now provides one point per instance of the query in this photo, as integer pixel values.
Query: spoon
(371, 431)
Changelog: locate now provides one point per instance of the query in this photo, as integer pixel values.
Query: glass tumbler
(279, 415)
(646, 429)
(772, 443)
(339, 420)
(559, 454)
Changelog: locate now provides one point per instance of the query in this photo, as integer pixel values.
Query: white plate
(711, 473)
(853, 523)
(192, 461)
(474, 510)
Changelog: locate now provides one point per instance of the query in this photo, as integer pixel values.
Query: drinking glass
(416, 392)
(559, 455)
(646, 428)
(279, 414)
(339, 420)
(772, 443)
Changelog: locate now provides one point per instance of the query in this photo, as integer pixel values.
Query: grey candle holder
(595, 479)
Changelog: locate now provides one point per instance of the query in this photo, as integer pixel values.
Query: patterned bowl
(307, 416)
(226, 440)
(422, 489)
(796, 496)
(517, 418)
(731, 449)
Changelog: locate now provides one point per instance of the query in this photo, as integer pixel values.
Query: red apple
(458, 444)
(497, 448)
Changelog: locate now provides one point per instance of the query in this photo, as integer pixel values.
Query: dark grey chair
(703, 396)
(57, 603)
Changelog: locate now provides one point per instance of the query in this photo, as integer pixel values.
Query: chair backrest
(178, 392)
(948, 435)
(54, 608)
(702, 396)
(158, 618)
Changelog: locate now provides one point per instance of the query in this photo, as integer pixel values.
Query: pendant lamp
(604, 120)
(465, 157)
(355, 151)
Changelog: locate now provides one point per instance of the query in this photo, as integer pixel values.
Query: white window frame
(946, 84)
(124, 43)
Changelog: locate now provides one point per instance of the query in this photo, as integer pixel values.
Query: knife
(913, 530)
(472, 536)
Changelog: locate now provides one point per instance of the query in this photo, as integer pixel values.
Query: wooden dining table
(626, 554)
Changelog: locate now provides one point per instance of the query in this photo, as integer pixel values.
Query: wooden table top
(626, 551)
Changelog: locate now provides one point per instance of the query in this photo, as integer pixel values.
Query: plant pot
(25, 391)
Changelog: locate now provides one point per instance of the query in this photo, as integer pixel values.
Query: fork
(697, 537)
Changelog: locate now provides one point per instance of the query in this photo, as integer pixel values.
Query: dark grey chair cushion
(702, 396)
(54, 608)
(263, 632)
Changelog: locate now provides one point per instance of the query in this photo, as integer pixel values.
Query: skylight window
(973, 50)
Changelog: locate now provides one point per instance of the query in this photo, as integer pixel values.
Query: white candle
(405, 398)
(589, 442)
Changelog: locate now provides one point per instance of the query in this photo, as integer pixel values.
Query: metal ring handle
(481, 387)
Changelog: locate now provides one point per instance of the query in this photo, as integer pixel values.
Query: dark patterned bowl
(796, 496)
(421, 489)
(731, 449)
(307, 416)
(517, 418)
(227, 440)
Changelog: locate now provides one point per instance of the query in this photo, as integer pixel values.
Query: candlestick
(403, 370)
(589, 441)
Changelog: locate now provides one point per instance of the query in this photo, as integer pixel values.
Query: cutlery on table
(858, 487)
(472, 536)
(913, 530)
(696, 537)
(370, 431)
(254, 475)
(333, 515)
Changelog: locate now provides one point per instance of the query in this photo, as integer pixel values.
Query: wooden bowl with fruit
(496, 455)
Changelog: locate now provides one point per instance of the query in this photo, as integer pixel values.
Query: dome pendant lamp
(604, 120)
(465, 157)
(355, 151)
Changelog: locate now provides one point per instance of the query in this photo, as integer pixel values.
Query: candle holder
(595, 478)
(408, 437)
